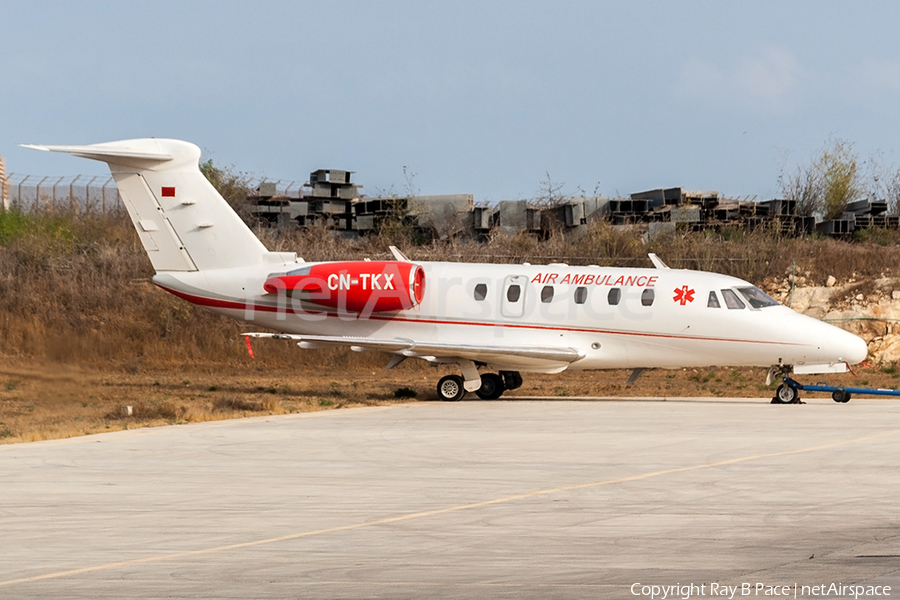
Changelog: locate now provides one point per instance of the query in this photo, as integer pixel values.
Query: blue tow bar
(838, 394)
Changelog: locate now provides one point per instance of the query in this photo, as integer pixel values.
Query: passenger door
(512, 304)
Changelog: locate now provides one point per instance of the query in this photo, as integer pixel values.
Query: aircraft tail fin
(182, 221)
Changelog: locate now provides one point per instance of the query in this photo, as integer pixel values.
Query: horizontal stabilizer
(106, 152)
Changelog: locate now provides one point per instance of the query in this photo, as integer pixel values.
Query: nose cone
(847, 346)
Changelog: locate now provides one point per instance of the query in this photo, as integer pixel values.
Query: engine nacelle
(354, 286)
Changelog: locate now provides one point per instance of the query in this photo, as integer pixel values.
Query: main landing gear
(452, 387)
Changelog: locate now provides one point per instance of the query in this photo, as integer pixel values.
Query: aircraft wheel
(491, 387)
(511, 379)
(785, 394)
(450, 388)
(841, 396)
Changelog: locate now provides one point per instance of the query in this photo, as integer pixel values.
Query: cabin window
(713, 301)
(481, 291)
(613, 296)
(757, 298)
(580, 295)
(547, 294)
(647, 297)
(731, 299)
(513, 292)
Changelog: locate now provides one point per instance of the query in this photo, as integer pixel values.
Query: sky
(484, 97)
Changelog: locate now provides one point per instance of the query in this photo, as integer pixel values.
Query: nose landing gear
(785, 394)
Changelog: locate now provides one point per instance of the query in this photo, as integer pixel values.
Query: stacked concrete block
(333, 201)
(482, 219)
(444, 215)
(512, 216)
(332, 183)
(596, 207)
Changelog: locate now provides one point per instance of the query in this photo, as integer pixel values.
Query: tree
(884, 185)
(804, 186)
(827, 185)
(549, 193)
(840, 178)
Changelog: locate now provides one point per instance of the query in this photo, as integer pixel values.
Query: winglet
(657, 262)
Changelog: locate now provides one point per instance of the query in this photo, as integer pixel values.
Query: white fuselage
(469, 303)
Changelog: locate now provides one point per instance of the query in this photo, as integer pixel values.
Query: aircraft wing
(552, 357)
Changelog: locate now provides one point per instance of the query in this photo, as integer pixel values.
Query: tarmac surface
(506, 499)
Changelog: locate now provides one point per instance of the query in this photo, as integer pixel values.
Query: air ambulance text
(590, 278)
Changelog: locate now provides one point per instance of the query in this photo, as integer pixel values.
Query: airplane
(502, 318)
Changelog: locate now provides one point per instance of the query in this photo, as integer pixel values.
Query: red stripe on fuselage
(234, 305)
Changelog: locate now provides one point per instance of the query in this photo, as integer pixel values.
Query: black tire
(785, 394)
(511, 379)
(491, 387)
(450, 388)
(842, 396)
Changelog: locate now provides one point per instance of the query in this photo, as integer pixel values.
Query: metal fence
(81, 194)
(85, 193)
(4, 198)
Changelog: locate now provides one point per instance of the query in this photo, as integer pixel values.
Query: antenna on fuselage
(657, 262)
(398, 255)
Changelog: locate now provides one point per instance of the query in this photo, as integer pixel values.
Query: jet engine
(354, 286)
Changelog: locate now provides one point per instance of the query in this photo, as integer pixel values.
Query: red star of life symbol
(683, 295)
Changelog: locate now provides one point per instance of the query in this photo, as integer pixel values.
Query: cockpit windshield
(757, 298)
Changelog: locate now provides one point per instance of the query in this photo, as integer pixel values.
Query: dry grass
(85, 334)
(46, 400)
(77, 290)
(42, 400)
